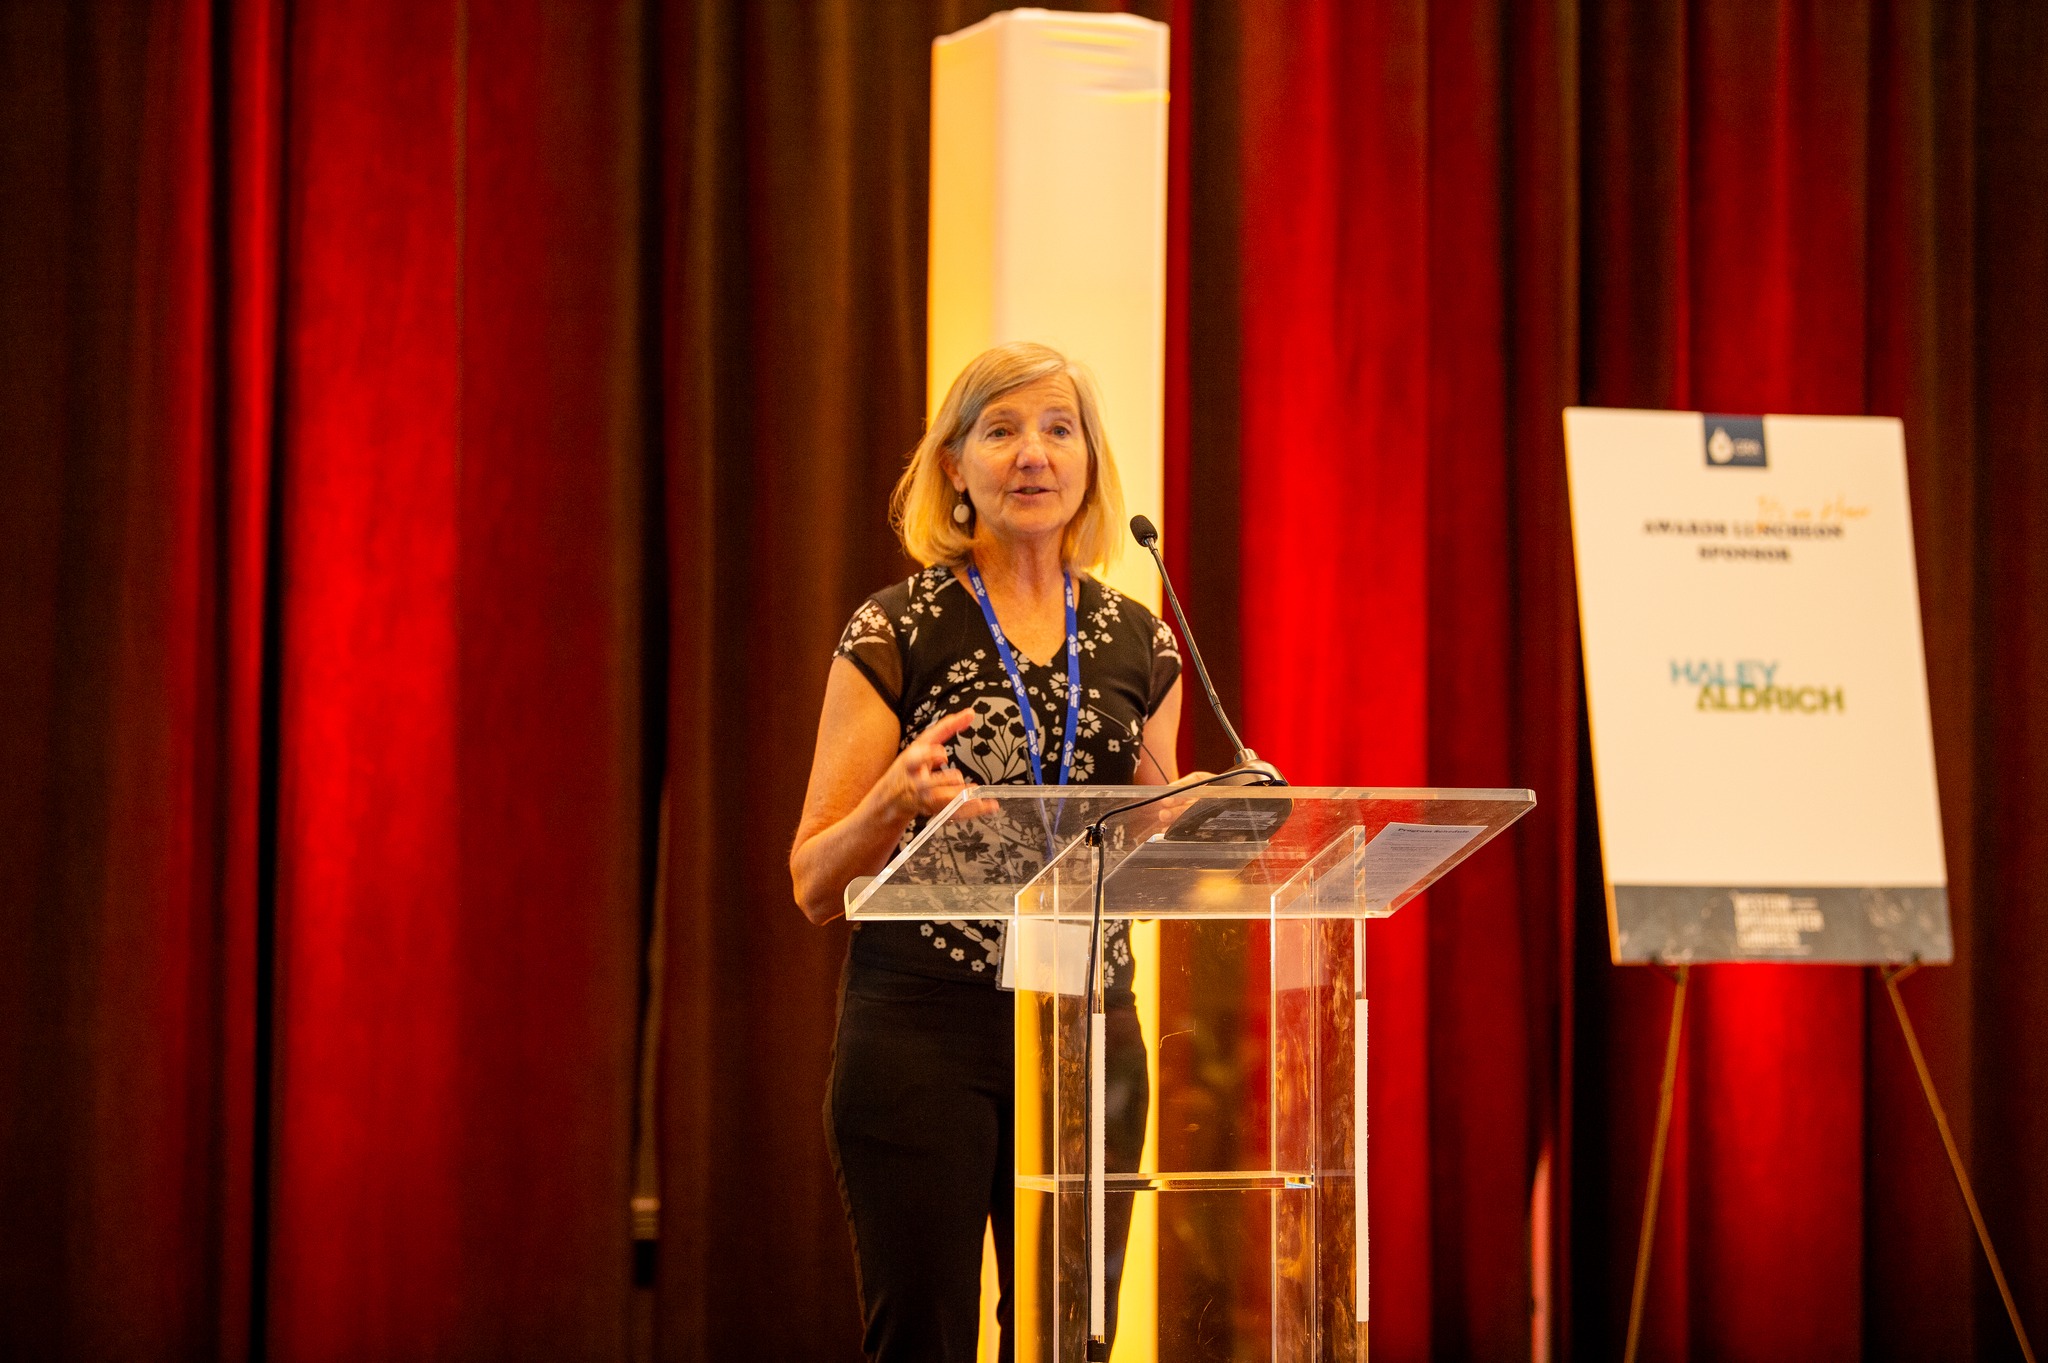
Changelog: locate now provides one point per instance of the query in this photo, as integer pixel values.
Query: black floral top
(925, 648)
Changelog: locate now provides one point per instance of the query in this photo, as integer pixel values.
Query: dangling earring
(961, 511)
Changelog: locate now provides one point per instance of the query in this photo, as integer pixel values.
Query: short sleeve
(1165, 665)
(869, 643)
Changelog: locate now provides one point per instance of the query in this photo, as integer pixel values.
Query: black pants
(919, 1118)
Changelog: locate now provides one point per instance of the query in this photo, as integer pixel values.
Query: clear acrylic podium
(1190, 1138)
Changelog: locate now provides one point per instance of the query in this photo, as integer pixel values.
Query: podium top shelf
(1212, 852)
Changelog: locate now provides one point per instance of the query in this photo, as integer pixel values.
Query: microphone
(1247, 761)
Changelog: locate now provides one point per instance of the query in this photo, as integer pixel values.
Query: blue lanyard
(1034, 744)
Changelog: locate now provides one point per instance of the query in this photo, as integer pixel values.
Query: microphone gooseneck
(1246, 761)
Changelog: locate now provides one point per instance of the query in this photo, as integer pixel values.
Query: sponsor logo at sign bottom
(1840, 924)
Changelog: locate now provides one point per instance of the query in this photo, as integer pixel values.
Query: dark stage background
(430, 427)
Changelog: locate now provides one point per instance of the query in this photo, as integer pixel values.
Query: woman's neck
(1030, 571)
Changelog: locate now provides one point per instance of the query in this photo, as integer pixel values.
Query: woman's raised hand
(922, 779)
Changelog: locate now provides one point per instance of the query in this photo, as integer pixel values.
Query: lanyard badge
(1034, 741)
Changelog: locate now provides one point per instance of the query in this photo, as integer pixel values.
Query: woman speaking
(1002, 662)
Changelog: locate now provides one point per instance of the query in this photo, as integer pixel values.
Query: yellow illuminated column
(1048, 219)
(1048, 223)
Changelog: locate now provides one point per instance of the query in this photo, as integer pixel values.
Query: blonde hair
(922, 507)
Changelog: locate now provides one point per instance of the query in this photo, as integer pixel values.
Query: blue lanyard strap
(1034, 742)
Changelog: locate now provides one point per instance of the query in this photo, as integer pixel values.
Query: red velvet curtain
(1407, 311)
(437, 427)
(326, 595)
(462, 550)
(137, 287)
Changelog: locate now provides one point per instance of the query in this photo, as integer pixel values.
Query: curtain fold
(2005, 990)
(1408, 324)
(460, 795)
(438, 430)
(136, 278)
(792, 293)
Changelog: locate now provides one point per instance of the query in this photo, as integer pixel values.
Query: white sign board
(1756, 689)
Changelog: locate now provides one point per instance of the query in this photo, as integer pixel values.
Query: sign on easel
(1756, 688)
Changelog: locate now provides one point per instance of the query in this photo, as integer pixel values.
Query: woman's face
(1024, 465)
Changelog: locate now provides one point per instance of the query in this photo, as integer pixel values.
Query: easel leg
(1665, 1093)
(1891, 977)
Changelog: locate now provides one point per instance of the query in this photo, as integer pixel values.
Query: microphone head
(1144, 531)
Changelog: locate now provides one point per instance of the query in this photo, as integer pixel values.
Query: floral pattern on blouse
(927, 652)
